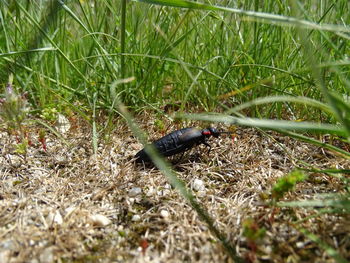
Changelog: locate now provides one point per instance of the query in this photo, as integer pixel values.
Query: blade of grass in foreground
(178, 184)
(14, 53)
(266, 17)
(269, 124)
(337, 202)
(273, 99)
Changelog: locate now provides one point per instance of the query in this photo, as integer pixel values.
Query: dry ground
(69, 205)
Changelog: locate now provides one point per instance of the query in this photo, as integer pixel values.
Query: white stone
(131, 201)
(136, 218)
(62, 124)
(300, 244)
(151, 191)
(167, 186)
(135, 191)
(198, 185)
(164, 213)
(100, 220)
(268, 249)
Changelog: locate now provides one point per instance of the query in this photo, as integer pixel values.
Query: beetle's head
(211, 132)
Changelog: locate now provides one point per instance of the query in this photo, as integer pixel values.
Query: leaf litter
(67, 204)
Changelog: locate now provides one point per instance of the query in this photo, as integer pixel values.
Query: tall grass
(249, 58)
(175, 54)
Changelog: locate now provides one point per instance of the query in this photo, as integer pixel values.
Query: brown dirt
(49, 201)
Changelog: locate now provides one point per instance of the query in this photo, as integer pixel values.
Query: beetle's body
(178, 141)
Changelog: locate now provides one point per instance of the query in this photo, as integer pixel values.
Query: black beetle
(179, 141)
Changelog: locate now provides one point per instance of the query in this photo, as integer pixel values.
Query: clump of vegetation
(13, 108)
(13, 111)
(254, 235)
(287, 183)
(49, 114)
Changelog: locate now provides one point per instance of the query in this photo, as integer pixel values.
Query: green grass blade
(66, 87)
(269, 124)
(122, 38)
(329, 171)
(338, 202)
(273, 99)
(15, 53)
(285, 20)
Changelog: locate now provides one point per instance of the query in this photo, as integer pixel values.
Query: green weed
(286, 184)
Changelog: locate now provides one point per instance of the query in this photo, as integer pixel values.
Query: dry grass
(48, 199)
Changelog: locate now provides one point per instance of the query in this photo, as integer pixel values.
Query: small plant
(13, 111)
(42, 139)
(254, 234)
(13, 108)
(159, 125)
(21, 148)
(49, 114)
(287, 183)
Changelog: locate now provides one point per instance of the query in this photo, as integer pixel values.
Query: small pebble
(135, 191)
(7, 245)
(131, 201)
(136, 218)
(164, 213)
(136, 146)
(151, 191)
(198, 185)
(99, 220)
(300, 244)
(16, 161)
(268, 249)
(60, 160)
(62, 124)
